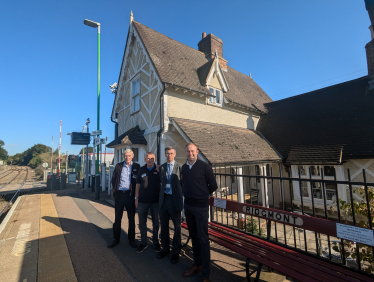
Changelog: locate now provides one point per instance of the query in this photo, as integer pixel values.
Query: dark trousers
(197, 221)
(143, 209)
(123, 199)
(168, 212)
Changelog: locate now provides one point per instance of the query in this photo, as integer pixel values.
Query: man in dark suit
(198, 182)
(170, 204)
(124, 183)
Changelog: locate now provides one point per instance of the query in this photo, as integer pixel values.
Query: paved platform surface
(62, 236)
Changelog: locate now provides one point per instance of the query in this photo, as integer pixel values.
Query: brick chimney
(209, 44)
(370, 46)
(370, 55)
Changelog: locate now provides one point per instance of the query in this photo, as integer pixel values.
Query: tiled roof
(315, 126)
(133, 136)
(187, 67)
(222, 144)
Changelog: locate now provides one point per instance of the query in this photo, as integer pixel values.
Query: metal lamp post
(87, 164)
(94, 25)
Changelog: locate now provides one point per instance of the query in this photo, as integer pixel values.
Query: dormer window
(217, 99)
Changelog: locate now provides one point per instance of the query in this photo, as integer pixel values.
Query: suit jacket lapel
(174, 168)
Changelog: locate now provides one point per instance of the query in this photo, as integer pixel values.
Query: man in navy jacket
(198, 182)
(124, 183)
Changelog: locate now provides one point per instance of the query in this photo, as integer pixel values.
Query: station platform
(62, 236)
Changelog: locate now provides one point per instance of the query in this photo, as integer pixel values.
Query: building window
(302, 169)
(135, 94)
(316, 190)
(314, 170)
(305, 189)
(329, 170)
(136, 154)
(331, 192)
(258, 172)
(217, 99)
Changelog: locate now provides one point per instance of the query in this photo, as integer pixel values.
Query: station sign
(97, 132)
(80, 138)
(45, 165)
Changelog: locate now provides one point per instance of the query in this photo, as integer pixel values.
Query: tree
(3, 153)
(35, 161)
(83, 151)
(25, 157)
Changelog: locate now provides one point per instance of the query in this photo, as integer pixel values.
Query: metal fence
(313, 193)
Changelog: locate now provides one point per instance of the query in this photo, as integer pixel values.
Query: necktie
(168, 190)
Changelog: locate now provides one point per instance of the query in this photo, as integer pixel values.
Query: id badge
(168, 186)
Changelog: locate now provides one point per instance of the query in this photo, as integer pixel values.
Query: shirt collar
(189, 163)
(172, 163)
(124, 164)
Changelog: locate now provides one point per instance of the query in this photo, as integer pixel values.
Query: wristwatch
(135, 197)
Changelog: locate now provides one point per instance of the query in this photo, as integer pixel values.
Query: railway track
(7, 172)
(14, 176)
(7, 199)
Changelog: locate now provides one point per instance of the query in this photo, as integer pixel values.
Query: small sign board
(99, 141)
(80, 138)
(1, 162)
(72, 177)
(355, 234)
(219, 203)
(97, 132)
(45, 165)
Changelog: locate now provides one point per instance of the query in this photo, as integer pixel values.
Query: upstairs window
(217, 99)
(135, 94)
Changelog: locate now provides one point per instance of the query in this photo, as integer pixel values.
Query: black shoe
(113, 244)
(162, 254)
(174, 258)
(157, 248)
(141, 248)
(133, 244)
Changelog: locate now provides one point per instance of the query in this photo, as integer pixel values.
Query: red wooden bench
(289, 262)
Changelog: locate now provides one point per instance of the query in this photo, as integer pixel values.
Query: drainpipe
(115, 125)
(162, 127)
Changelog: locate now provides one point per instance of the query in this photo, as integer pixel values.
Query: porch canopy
(222, 144)
(133, 136)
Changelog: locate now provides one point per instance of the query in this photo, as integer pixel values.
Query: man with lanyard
(123, 183)
(198, 182)
(146, 198)
(170, 204)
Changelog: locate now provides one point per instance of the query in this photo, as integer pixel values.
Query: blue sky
(48, 58)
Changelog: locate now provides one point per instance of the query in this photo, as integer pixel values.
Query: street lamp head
(91, 23)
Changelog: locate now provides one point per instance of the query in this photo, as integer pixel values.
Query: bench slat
(260, 251)
(284, 264)
(324, 274)
(263, 260)
(309, 259)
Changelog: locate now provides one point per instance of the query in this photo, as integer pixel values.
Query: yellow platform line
(54, 259)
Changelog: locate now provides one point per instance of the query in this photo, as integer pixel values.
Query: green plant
(252, 226)
(360, 209)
